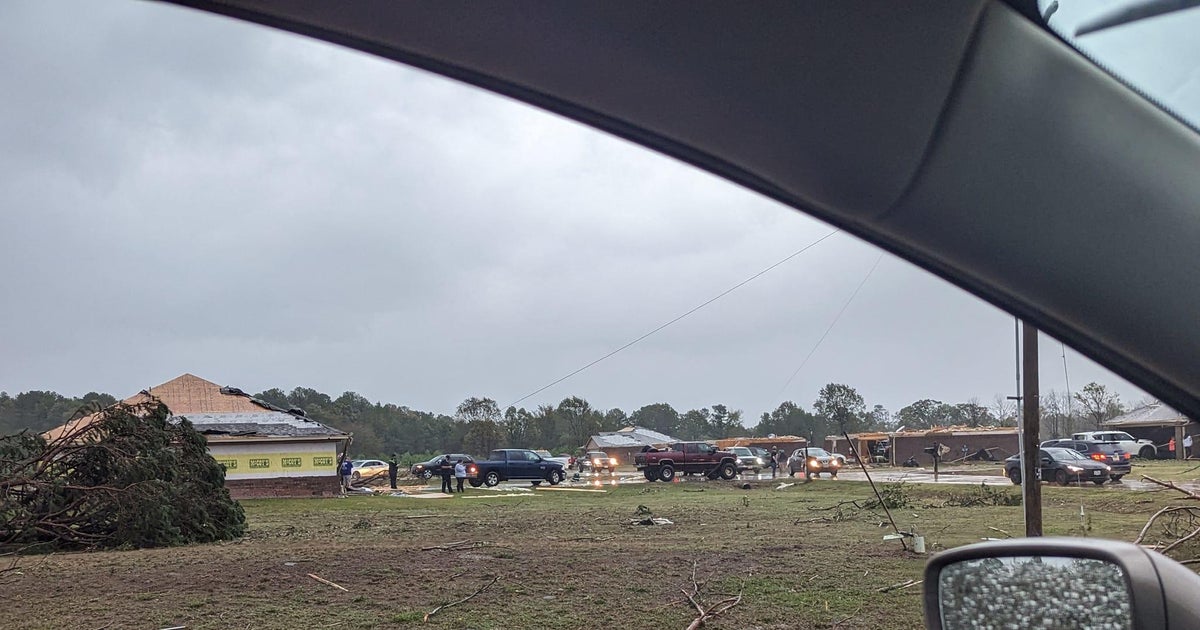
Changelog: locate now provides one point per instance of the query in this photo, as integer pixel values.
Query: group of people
(446, 469)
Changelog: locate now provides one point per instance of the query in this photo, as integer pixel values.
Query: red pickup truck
(688, 458)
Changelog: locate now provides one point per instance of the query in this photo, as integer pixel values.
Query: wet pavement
(880, 475)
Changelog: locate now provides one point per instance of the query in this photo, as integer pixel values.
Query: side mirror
(1059, 583)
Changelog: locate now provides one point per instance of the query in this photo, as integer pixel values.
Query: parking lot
(978, 474)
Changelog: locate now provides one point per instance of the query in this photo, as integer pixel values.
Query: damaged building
(266, 451)
(623, 444)
(956, 443)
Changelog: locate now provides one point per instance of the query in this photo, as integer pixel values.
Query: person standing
(346, 470)
(1187, 446)
(460, 474)
(393, 468)
(446, 469)
(774, 461)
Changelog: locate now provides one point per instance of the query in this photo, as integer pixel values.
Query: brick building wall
(284, 487)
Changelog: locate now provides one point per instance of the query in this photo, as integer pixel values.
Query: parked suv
(597, 461)
(1104, 452)
(1140, 448)
(747, 459)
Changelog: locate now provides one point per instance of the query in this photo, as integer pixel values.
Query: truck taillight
(1100, 457)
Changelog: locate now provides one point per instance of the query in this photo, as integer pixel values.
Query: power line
(831, 325)
(706, 303)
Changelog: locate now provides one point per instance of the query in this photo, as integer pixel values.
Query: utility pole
(1031, 482)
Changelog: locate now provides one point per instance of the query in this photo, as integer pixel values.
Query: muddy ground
(800, 557)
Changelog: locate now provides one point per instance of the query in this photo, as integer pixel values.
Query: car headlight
(835, 463)
(595, 462)
(813, 462)
(758, 460)
(612, 461)
(1074, 468)
(1107, 468)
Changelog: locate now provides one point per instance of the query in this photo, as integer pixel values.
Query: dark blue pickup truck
(517, 463)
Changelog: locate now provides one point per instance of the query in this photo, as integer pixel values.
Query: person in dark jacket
(446, 470)
(346, 470)
(393, 467)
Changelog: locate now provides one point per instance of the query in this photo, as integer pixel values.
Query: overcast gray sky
(185, 193)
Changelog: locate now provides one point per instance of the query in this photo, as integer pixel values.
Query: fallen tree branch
(324, 581)
(461, 601)
(898, 585)
(1175, 544)
(713, 611)
(1171, 485)
(1192, 511)
(462, 544)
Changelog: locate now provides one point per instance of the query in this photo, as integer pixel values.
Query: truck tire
(1147, 452)
(651, 474)
(475, 483)
(666, 472)
(428, 474)
(491, 479)
(555, 477)
(727, 471)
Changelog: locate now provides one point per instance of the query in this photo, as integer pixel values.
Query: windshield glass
(1064, 454)
(1153, 50)
(818, 452)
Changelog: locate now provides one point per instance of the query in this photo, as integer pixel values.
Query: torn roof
(1152, 415)
(221, 413)
(631, 437)
(953, 430)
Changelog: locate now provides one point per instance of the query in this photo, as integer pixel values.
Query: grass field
(801, 557)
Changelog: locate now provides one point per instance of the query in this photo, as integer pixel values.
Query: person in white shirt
(1187, 446)
(460, 473)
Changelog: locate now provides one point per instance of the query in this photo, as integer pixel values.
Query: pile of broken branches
(1172, 527)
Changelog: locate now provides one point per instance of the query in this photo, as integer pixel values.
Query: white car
(367, 468)
(1128, 443)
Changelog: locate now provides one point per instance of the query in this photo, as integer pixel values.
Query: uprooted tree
(127, 476)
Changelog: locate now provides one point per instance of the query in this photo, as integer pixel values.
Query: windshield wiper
(1131, 13)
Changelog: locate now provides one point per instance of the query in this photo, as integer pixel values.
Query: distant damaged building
(955, 443)
(266, 451)
(624, 443)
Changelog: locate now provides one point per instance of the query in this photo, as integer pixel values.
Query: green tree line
(479, 425)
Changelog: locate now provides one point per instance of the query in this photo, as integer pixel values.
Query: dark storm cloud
(184, 193)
